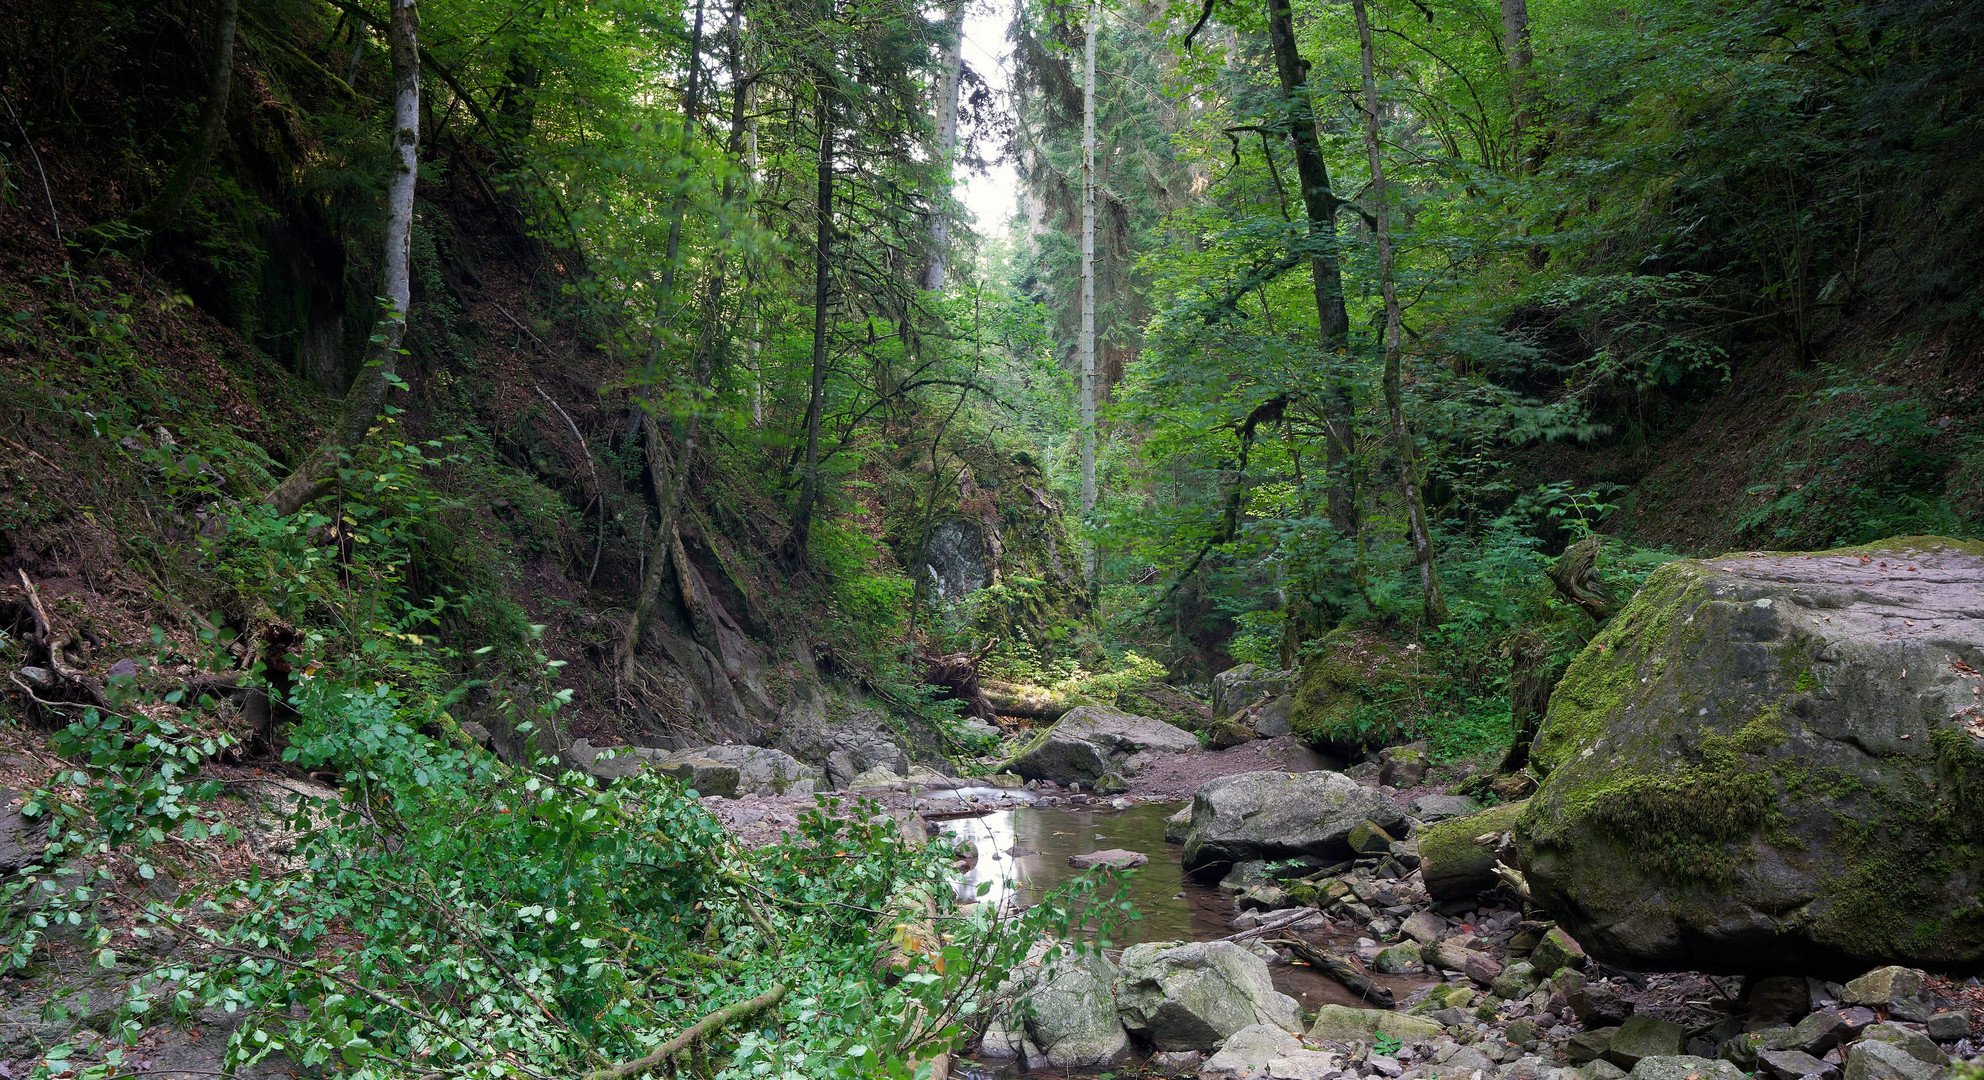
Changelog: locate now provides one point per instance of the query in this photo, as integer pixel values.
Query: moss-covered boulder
(1774, 762)
(1454, 861)
(1360, 690)
(1278, 815)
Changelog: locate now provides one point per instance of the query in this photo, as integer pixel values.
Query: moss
(1362, 689)
(1447, 849)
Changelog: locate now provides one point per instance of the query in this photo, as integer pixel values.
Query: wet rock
(1110, 858)
(1947, 1027)
(1458, 856)
(1794, 1065)
(1683, 1067)
(1093, 741)
(1684, 725)
(1190, 996)
(1900, 991)
(1875, 1060)
(1644, 1037)
(1342, 1024)
(1277, 815)
(1432, 808)
(1556, 951)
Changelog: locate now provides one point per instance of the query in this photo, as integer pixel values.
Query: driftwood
(1341, 970)
(958, 673)
(1032, 702)
(1269, 925)
(1575, 575)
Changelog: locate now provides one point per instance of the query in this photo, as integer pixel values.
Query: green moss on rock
(1362, 690)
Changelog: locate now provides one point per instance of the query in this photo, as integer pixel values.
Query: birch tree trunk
(1434, 605)
(159, 213)
(1087, 345)
(947, 141)
(318, 472)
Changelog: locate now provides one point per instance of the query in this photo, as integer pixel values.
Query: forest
(512, 512)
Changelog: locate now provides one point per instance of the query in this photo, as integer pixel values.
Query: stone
(1244, 685)
(21, 840)
(1276, 718)
(1465, 1062)
(760, 770)
(1482, 968)
(1643, 1037)
(1948, 1027)
(1229, 733)
(1384, 1065)
(878, 778)
(1400, 959)
(1262, 1051)
(1402, 766)
(1910, 1040)
(1190, 996)
(1674, 748)
(1555, 951)
(1876, 1060)
(1683, 1067)
(1598, 1004)
(1424, 927)
(1343, 1024)
(1819, 1032)
(1453, 865)
(1109, 858)
(1070, 1016)
(1005, 781)
(1432, 808)
(1901, 991)
(1743, 1047)
(1276, 815)
(1177, 825)
(1794, 1065)
(1519, 1031)
(1778, 999)
(1368, 838)
(1092, 741)
(1264, 898)
(703, 776)
(1600, 1069)
(1175, 1062)
(1586, 1045)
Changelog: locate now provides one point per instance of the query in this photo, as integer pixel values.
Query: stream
(1023, 853)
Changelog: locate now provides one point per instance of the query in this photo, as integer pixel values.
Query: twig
(598, 491)
(716, 1021)
(1272, 923)
(53, 221)
(33, 455)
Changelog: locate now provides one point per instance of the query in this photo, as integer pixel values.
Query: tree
(317, 473)
(950, 80)
(1411, 475)
(165, 206)
(1087, 344)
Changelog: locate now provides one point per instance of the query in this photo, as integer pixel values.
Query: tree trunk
(159, 213)
(947, 140)
(1434, 605)
(809, 487)
(1320, 204)
(691, 101)
(1517, 55)
(1087, 344)
(318, 472)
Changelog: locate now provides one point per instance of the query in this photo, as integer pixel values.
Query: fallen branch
(1276, 921)
(716, 1021)
(599, 492)
(1339, 969)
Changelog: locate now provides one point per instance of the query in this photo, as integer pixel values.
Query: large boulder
(1093, 741)
(760, 770)
(1774, 762)
(1191, 996)
(1247, 684)
(1068, 1013)
(1277, 815)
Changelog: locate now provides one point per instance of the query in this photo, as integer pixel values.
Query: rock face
(1774, 762)
(1093, 741)
(1275, 815)
(1192, 996)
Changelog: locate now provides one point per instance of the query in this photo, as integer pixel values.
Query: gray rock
(1262, 1051)
(1742, 1049)
(1175, 1062)
(1093, 741)
(1342, 1024)
(1778, 999)
(1600, 1069)
(1276, 718)
(1112, 858)
(1586, 1045)
(1430, 808)
(1820, 1032)
(21, 840)
(1795, 1065)
(1947, 1027)
(1177, 825)
(1876, 1060)
(1702, 703)
(1902, 991)
(1069, 1015)
(1246, 684)
(1275, 815)
(1644, 1037)
(1555, 952)
(1683, 1067)
(1914, 1042)
(1400, 959)
(1402, 766)
(1190, 996)
(701, 775)
(761, 770)
(1424, 927)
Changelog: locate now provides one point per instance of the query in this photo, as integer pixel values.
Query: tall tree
(1518, 55)
(823, 241)
(1320, 204)
(158, 213)
(1411, 477)
(1087, 345)
(317, 473)
(951, 79)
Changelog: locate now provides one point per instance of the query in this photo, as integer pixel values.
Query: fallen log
(1032, 702)
(1341, 970)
